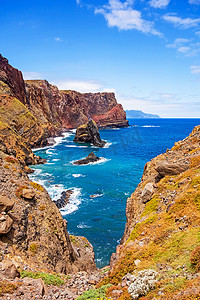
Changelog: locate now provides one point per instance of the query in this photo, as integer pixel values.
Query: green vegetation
(47, 278)
(195, 259)
(33, 248)
(37, 186)
(151, 206)
(95, 294)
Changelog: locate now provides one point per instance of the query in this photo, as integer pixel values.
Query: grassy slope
(167, 229)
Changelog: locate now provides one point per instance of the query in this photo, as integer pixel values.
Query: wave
(57, 140)
(78, 175)
(73, 130)
(55, 159)
(96, 195)
(107, 145)
(82, 225)
(74, 202)
(149, 126)
(75, 146)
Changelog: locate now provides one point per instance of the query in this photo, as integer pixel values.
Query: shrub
(37, 186)
(11, 159)
(33, 248)
(47, 278)
(95, 294)
(195, 258)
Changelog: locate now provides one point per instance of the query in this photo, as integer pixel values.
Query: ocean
(101, 218)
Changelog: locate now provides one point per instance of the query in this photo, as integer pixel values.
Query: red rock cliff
(72, 109)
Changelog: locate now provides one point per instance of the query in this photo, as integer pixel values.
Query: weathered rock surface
(64, 199)
(8, 269)
(163, 223)
(11, 81)
(89, 133)
(6, 204)
(34, 231)
(91, 158)
(165, 168)
(5, 223)
(147, 192)
(28, 194)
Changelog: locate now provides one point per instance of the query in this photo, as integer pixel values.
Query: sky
(146, 51)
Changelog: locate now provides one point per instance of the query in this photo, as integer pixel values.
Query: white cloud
(197, 2)
(124, 17)
(183, 49)
(83, 86)
(178, 42)
(182, 23)
(195, 69)
(32, 75)
(185, 46)
(57, 39)
(159, 3)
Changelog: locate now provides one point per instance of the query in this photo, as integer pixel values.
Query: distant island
(138, 114)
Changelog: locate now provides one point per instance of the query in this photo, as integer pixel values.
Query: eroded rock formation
(91, 158)
(89, 133)
(163, 223)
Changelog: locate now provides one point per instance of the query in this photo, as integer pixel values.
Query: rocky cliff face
(70, 109)
(163, 225)
(32, 230)
(11, 81)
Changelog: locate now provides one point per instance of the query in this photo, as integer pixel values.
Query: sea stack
(89, 133)
(91, 158)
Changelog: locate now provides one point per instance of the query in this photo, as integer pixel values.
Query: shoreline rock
(89, 133)
(64, 199)
(91, 158)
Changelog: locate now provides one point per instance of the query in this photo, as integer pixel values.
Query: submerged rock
(64, 199)
(91, 158)
(89, 133)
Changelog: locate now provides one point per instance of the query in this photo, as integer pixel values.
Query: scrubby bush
(195, 258)
(95, 294)
(47, 278)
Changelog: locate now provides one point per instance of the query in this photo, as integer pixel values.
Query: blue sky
(147, 52)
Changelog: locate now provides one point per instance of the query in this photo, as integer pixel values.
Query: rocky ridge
(162, 228)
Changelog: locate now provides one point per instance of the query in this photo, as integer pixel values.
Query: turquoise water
(102, 219)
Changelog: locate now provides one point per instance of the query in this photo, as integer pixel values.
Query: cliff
(33, 233)
(70, 109)
(38, 110)
(163, 227)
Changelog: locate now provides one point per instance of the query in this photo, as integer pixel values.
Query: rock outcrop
(91, 158)
(31, 227)
(89, 133)
(163, 224)
(64, 199)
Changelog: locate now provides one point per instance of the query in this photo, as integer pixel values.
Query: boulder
(166, 168)
(5, 204)
(38, 284)
(28, 194)
(5, 224)
(89, 133)
(64, 199)
(8, 269)
(89, 159)
(147, 192)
